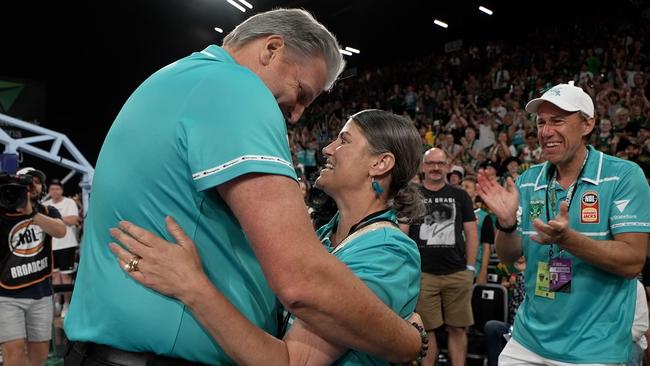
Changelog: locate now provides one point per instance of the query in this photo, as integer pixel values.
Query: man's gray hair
(302, 34)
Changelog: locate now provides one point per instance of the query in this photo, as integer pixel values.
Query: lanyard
(551, 197)
(366, 221)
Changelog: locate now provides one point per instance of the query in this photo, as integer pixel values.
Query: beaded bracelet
(425, 345)
(423, 351)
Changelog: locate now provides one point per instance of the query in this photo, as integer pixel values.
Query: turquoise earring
(376, 187)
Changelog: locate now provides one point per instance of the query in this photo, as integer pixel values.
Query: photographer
(26, 228)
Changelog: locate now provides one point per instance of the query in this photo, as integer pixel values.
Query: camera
(13, 191)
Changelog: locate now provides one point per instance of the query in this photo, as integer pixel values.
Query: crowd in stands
(470, 102)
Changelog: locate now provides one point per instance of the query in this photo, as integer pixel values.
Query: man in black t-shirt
(25, 270)
(448, 240)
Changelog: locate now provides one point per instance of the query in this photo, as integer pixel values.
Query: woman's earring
(376, 187)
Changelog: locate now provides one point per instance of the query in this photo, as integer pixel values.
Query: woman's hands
(171, 269)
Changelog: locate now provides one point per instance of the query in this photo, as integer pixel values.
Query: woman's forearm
(238, 337)
(247, 344)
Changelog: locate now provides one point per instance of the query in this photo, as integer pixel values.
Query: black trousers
(92, 354)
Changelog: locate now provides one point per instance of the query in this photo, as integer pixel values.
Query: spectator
(454, 178)
(486, 131)
(531, 152)
(572, 274)
(501, 150)
(447, 237)
(510, 168)
(469, 143)
(603, 140)
(65, 249)
(489, 168)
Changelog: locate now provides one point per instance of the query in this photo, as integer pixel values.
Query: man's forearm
(471, 241)
(471, 248)
(313, 284)
(53, 227)
(624, 258)
(342, 309)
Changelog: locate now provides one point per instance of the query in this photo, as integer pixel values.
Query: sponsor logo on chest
(26, 239)
(589, 208)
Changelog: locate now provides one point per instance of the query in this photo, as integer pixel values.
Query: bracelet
(425, 345)
(470, 268)
(505, 229)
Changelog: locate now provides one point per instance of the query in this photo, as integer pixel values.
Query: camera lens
(12, 196)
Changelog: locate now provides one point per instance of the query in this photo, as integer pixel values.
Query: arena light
(233, 3)
(485, 10)
(246, 4)
(218, 29)
(347, 53)
(440, 23)
(353, 50)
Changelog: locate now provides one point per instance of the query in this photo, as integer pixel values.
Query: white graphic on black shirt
(438, 228)
(25, 239)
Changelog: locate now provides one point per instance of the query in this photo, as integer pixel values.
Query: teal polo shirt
(592, 323)
(193, 125)
(388, 262)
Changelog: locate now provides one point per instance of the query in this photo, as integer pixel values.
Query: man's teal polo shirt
(592, 323)
(193, 125)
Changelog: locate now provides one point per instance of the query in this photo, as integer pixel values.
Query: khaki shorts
(446, 299)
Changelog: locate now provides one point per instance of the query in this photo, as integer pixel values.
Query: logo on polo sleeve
(589, 212)
(621, 205)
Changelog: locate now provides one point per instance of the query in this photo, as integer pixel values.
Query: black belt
(87, 353)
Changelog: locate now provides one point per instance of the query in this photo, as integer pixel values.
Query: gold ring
(132, 266)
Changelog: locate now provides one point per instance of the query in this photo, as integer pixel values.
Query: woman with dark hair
(367, 172)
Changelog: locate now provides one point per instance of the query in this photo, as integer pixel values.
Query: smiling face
(561, 133)
(348, 162)
(297, 85)
(294, 80)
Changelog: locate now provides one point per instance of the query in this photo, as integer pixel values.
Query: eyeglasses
(434, 163)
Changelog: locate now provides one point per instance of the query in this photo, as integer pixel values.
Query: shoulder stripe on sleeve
(602, 233)
(623, 224)
(239, 160)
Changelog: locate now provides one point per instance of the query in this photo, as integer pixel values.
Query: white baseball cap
(567, 97)
(33, 172)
